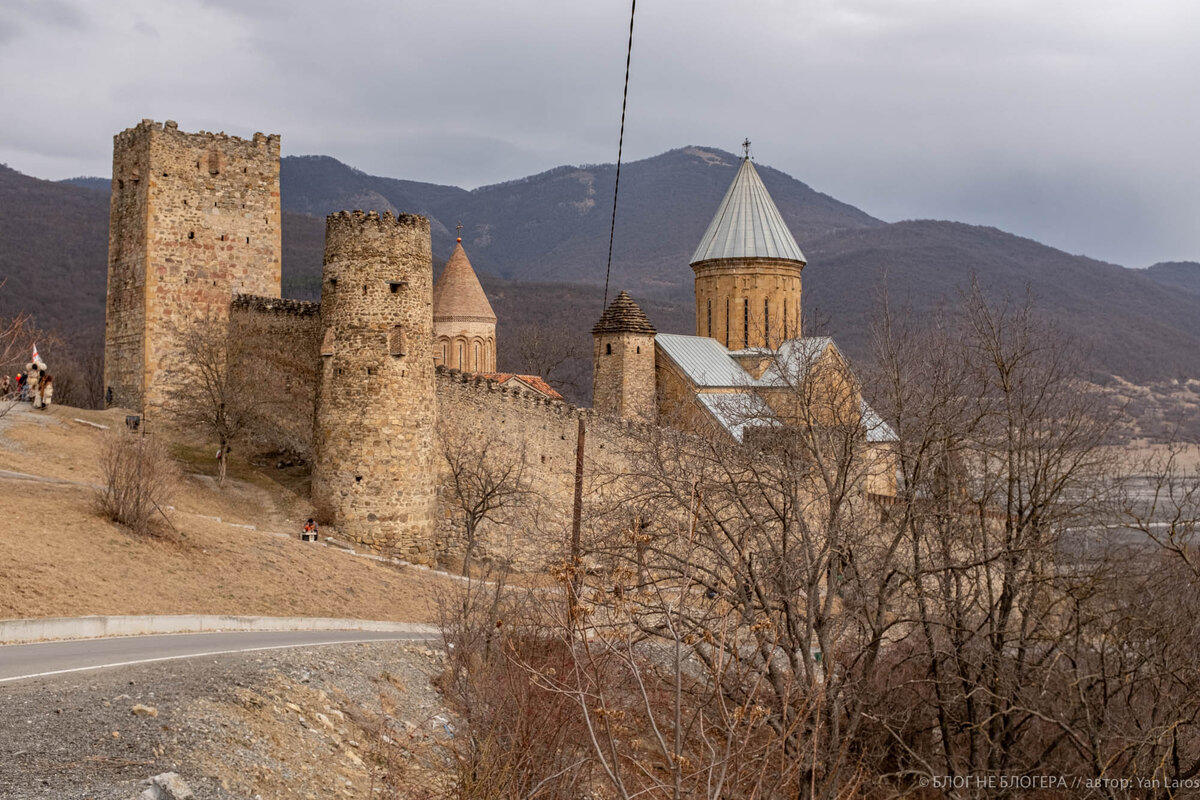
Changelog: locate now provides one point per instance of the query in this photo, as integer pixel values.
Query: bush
(139, 480)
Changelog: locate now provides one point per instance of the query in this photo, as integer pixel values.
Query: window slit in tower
(745, 322)
(785, 329)
(727, 322)
(710, 317)
(766, 322)
(608, 349)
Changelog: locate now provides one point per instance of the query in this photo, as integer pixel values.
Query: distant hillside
(540, 245)
(1183, 275)
(554, 226)
(88, 182)
(53, 252)
(1133, 326)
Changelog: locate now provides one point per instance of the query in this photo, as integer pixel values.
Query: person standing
(222, 458)
(45, 392)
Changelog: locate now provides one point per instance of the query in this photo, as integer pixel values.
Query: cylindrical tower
(373, 439)
(748, 270)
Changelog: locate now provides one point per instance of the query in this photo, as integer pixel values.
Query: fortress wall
(473, 412)
(279, 343)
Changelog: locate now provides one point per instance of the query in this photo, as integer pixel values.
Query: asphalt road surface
(22, 661)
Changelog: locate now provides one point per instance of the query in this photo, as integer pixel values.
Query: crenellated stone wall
(279, 342)
(474, 412)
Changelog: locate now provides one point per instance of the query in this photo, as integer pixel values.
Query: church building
(748, 359)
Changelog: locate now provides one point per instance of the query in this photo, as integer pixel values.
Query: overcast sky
(1074, 122)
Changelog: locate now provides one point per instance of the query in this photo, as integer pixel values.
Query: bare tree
(553, 353)
(484, 477)
(16, 336)
(210, 387)
(750, 619)
(139, 481)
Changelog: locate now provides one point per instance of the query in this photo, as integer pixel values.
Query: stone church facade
(365, 380)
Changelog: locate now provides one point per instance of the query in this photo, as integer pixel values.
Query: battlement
(357, 217)
(198, 139)
(275, 305)
(453, 381)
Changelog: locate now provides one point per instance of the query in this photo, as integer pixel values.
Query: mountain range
(540, 245)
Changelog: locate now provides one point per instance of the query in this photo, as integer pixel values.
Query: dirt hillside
(237, 550)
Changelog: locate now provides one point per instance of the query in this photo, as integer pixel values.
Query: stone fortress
(366, 382)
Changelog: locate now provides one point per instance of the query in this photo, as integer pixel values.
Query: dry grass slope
(58, 557)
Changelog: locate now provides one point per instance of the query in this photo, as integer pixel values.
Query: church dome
(457, 295)
(747, 224)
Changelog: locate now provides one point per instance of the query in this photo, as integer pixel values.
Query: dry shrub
(139, 480)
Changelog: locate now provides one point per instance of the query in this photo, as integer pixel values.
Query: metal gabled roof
(877, 429)
(747, 224)
(795, 356)
(704, 361)
(737, 411)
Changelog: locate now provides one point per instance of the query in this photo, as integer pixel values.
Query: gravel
(292, 723)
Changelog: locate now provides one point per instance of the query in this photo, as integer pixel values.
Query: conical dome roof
(623, 316)
(747, 224)
(457, 293)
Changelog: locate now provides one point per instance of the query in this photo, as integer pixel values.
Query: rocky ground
(294, 723)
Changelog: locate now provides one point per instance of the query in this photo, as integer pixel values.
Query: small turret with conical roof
(623, 362)
(464, 324)
(747, 269)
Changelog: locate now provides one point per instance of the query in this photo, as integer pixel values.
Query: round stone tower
(373, 438)
(748, 270)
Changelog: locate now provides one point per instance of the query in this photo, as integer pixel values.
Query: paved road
(22, 661)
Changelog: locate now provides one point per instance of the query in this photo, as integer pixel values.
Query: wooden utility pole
(577, 514)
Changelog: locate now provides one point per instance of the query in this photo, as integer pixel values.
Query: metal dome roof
(747, 224)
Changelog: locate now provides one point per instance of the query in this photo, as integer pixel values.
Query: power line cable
(620, 145)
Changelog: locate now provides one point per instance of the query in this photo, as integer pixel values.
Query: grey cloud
(1072, 122)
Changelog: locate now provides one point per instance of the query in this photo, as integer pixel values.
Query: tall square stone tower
(194, 219)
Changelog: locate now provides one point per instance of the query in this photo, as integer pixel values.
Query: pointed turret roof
(623, 316)
(457, 293)
(747, 224)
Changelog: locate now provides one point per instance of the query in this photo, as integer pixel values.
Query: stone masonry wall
(125, 310)
(201, 213)
(623, 375)
(724, 285)
(373, 438)
(514, 424)
(279, 344)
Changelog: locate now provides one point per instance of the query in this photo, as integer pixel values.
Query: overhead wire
(620, 146)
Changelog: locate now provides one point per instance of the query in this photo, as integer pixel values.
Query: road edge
(43, 629)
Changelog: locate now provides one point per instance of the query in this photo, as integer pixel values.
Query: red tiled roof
(534, 382)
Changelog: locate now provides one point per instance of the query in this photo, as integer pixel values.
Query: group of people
(34, 385)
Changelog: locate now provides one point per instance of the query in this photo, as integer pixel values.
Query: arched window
(445, 347)
(477, 364)
(710, 317)
(785, 325)
(608, 349)
(746, 322)
(459, 365)
(766, 322)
